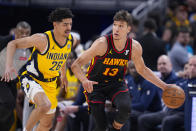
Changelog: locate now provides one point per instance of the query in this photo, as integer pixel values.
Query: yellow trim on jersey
(92, 62)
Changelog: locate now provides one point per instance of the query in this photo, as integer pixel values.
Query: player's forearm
(11, 48)
(76, 68)
(63, 70)
(150, 76)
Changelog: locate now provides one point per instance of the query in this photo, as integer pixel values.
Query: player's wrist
(83, 79)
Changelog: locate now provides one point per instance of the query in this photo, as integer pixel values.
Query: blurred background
(91, 16)
(161, 26)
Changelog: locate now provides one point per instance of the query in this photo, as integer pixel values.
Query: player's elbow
(140, 69)
(11, 44)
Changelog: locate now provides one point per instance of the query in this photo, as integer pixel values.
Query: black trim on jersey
(126, 44)
(72, 41)
(40, 76)
(48, 47)
(57, 42)
(131, 42)
(22, 69)
(29, 78)
(34, 57)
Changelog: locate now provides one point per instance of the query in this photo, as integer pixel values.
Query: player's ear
(54, 24)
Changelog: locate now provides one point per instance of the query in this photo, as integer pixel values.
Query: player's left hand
(64, 82)
(8, 75)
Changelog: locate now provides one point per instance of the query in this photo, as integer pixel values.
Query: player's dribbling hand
(88, 85)
(169, 85)
(8, 75)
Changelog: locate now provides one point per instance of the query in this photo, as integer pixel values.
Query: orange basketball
(173, 97)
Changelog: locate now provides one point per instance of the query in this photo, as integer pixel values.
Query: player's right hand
(8, 75)
(88, 85)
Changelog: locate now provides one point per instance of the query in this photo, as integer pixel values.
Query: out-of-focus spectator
(152, 46)
(145, 96)
(192, 19)
(78, 47)
(155, 15)
(192, 9)
(67, 98)
(134, 29)
(77, 113)
(73, 82)
(150, 121)
(165, 68)
(22, 29)
(179, 19)
(179, 54)
(184, 73)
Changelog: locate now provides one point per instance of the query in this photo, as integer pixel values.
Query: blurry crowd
(169, 46)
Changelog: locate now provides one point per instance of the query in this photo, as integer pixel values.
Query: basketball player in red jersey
(105, 78)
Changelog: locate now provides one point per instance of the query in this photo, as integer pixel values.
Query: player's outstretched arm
(98, 48)
(141, 67)
(38, 40)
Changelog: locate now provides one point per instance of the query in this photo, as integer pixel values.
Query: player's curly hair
(123, 15)
(59, 14)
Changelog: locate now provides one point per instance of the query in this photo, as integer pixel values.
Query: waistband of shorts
(43, 80)
(49, 79)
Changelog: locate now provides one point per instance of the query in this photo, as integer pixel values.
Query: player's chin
(66, 35)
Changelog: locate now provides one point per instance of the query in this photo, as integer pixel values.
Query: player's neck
(119, 43)
(59, 38)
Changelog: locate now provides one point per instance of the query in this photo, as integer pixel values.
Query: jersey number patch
(110, 72)
(56, 65)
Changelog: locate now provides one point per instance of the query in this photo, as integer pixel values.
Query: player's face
(63, 27)
(192, 67)
(120, 30)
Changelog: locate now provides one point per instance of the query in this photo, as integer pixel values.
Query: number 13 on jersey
(110, 71)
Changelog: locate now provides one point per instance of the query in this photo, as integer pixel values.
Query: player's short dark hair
(59, 14)
(123, 15)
